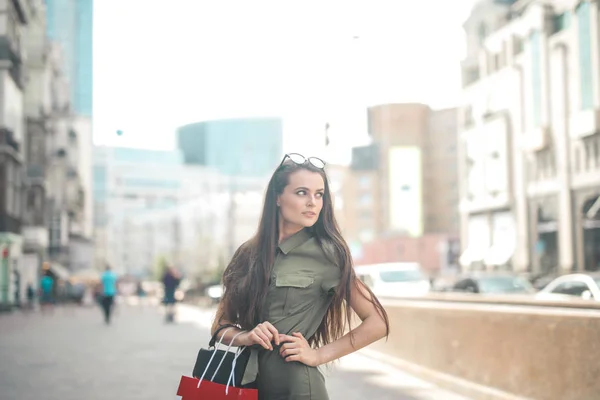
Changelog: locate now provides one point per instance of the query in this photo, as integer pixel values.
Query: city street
(72, 355)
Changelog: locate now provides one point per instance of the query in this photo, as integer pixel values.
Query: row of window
(535, 43)
(587, 155)
(11, 179)
(586, 158)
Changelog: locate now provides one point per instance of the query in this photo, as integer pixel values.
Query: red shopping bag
(189, 390)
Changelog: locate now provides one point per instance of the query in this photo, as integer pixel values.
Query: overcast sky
(161, 64)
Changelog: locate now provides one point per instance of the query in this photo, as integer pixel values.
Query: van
(398, 279)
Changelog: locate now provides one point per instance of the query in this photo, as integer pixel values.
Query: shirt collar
(294, 241)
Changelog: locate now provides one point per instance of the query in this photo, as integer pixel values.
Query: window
(536, 78)
(9, 187)
(561, 21)
(482, 33)
(573, 288)
(585, 54)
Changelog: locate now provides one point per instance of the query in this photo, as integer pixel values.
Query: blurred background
(463, 148)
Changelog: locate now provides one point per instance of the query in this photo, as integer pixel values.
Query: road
(72, 355)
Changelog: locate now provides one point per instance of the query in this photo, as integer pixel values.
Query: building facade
(403, 186)
(200, 234)
(404, 182)
(149, 205)
(71, 25)
(529, 142)
(250, 147)
(42, 164)
(127, 181)
(14, 18)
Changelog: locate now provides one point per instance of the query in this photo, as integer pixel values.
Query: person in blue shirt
(109, 291)
(46, 291)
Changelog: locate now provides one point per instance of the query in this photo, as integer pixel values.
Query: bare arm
(226, 334)
(371, 329)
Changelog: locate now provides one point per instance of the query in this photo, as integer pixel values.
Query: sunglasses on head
(301, 160)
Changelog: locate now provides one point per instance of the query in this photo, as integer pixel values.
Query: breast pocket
(296, 290)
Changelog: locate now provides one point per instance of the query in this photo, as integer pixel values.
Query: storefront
(544, 231)
(591, 233)
(10, 274)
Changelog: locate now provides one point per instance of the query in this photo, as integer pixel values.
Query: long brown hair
(246, 279)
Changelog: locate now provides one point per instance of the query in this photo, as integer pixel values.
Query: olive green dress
(300, 292)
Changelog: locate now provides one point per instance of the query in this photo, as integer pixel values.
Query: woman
(287, 289)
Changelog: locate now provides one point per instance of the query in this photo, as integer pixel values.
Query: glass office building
(70, 23)
(248, 147)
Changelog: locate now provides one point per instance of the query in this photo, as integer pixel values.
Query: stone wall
(535, 352)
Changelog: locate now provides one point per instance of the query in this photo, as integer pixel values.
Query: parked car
(492, 283)
(581, 285)
(399, 279)
(214, 293)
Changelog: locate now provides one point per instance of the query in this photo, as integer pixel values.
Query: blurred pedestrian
(141, 294)
(291, 290)
(30, 297)
(47, 300)
(171, 282)
(108, 282)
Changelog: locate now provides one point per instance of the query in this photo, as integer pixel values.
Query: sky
(159, 65)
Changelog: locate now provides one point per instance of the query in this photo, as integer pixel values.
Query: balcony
(10, 224)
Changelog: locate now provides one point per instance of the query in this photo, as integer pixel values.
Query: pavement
(71, 355)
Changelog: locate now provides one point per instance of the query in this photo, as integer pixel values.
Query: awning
(86, 274)
(472, 254)
(60, 271)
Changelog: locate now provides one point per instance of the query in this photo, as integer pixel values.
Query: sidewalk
(72, 355)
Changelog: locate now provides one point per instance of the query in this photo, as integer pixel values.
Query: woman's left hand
(296, 348)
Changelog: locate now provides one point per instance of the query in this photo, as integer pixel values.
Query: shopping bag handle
(231, 378)
(222, 358)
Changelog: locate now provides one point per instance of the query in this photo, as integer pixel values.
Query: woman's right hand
(263, 334)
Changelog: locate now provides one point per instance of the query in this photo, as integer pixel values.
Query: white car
(215, 292)
(399, 279)
(584, 286)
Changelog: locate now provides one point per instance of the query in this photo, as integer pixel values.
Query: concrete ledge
(502, 299)
(519, 351)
